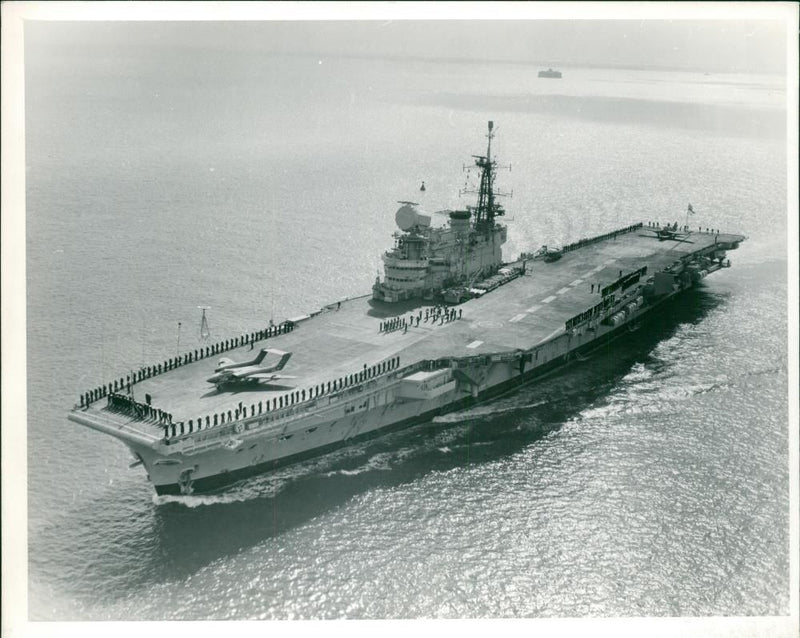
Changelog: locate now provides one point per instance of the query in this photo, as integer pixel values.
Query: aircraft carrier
(450, 324)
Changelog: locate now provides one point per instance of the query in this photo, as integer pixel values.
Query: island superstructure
(427, 260)
(457, 327)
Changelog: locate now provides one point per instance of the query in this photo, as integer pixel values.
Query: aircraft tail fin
(260, 357)
(282, 359)
(285, 356)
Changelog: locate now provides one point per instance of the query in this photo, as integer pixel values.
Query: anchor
(185, 482)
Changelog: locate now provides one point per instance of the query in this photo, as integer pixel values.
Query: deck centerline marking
(576, 282)
(533, 309)
(474, 344)
(548, 299)
(518, 317)
(562, 291)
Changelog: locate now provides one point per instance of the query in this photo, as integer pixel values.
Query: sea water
(650, 480)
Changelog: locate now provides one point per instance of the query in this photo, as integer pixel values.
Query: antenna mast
(487, 209)
(204, 331)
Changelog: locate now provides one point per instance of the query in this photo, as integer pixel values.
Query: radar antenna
(487, 209)
(205, 333)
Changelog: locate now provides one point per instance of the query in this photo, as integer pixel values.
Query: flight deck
(345, 337)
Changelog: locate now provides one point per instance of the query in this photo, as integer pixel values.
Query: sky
(717, 45)
(735, 45)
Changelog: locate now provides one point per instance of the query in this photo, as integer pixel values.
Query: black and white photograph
(401, 311)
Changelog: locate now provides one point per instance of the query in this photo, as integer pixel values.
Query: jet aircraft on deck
(229, 372)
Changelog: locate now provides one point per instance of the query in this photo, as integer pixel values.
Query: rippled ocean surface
(650, 480)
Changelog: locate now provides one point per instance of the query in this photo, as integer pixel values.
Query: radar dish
(409, 215)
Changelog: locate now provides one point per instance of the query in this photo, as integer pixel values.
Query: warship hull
(384, 422)
(357, 374)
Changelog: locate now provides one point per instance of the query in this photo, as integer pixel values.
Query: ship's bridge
(393, 260)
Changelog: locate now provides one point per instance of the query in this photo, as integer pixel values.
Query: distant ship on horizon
(550, 74)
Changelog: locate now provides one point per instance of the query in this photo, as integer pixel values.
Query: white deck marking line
(518, 317)
(562, 291)
(474, 344)
(548, 299)
(609, 261)
(533, 309)
(576, 282)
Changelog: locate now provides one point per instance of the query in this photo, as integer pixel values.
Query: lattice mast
(204, 331)
(487, 209)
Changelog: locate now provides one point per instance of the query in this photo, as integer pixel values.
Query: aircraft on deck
(668, 233)
(548, 254)
(229, 372)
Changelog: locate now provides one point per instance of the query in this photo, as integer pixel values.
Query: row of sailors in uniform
(593, 240)
(674, 227)
(89, 397)
(277, 403)
(441, 314)
(144, 411)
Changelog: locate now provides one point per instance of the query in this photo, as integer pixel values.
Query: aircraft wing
(230, 364)
(244, 373)
(263, 376)
(224, 363)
